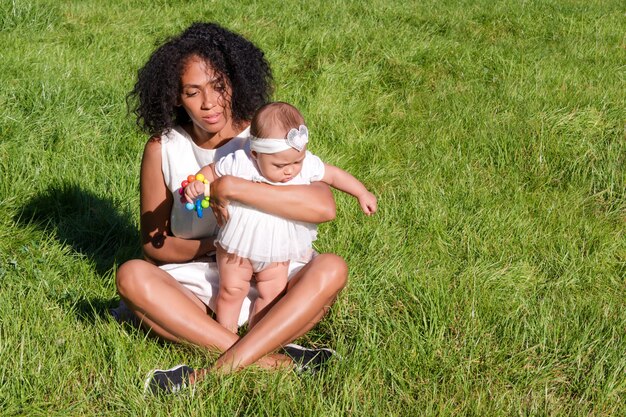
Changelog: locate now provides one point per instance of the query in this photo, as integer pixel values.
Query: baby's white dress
(262, 237)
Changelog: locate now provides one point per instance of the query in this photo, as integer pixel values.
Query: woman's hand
(220, 199)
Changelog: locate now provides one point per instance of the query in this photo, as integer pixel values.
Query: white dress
(180, 157)
(262, 237)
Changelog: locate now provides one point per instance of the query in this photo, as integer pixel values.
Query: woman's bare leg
(309, 295)
(144, 286)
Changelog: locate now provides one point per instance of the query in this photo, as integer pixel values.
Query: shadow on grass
(90, 309)
(93, 226)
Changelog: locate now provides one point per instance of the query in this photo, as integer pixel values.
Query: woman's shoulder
(177, 145)
(175, 134)
(152, 157)
(153, 146)
(173, 138)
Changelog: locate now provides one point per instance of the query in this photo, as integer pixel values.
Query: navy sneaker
(123, 314)
(169, 380)
(308, 360)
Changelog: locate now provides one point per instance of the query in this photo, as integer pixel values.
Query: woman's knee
(333, 272)
(129, 277)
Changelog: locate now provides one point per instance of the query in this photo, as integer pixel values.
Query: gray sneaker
(308, 360)
(167, 381)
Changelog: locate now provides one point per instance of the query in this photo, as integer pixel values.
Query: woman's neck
(207, 140)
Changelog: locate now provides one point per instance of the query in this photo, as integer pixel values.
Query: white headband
(296, 139)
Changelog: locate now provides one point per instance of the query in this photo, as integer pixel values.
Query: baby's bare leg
(235, 275)
(270, 283)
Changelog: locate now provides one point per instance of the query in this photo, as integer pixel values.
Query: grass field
(491, 281)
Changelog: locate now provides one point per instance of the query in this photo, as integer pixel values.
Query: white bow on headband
(296, 139)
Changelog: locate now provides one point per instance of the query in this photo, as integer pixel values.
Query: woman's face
(206, 101)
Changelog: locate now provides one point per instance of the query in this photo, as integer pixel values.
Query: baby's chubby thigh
(235, 276)
(271, 278)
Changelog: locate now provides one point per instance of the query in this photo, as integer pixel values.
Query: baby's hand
(367, 201)
(194, 189)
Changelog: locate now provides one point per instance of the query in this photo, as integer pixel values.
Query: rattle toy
(200, 204)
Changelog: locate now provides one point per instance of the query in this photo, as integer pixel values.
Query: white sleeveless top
(181, 157)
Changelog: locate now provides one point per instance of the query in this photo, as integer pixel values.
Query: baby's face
(280, 166)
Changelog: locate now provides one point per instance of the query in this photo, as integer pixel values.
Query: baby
(254, 242)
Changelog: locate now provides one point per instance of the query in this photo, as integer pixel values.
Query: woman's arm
(312, 203)
(159, 245)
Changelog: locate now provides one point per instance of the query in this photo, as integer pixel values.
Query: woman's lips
(214, 118)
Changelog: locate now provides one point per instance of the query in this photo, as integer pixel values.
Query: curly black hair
(237, 62)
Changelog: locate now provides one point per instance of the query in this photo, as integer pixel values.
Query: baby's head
(279, 138)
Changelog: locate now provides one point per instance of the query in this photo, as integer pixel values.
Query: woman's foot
(169, 380)
(123, 314)
(308, 360)
(174, 379)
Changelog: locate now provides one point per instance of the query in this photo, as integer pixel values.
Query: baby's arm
(197, 187)
(343, 181)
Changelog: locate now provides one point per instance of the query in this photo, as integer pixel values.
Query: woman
(196, 96)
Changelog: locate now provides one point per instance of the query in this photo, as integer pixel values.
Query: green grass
(491, 281)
